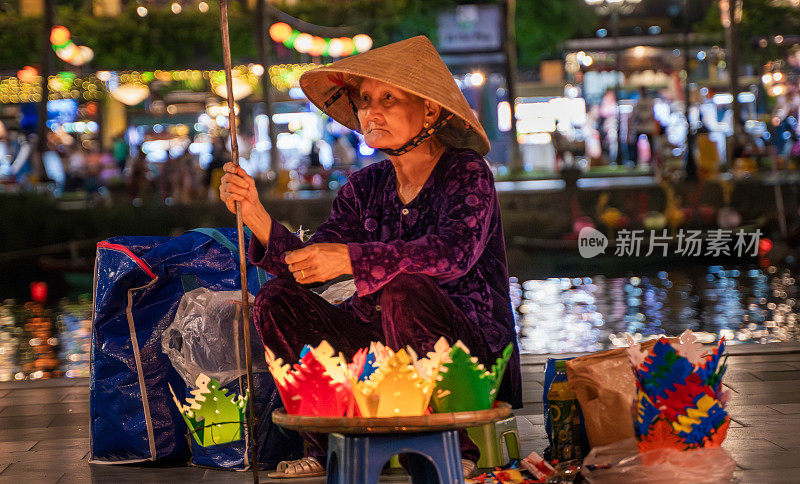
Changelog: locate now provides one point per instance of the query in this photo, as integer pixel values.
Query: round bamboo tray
(385, 425)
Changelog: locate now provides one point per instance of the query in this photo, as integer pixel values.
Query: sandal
(293, 469)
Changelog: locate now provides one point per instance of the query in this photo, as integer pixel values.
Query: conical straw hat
(412, 65)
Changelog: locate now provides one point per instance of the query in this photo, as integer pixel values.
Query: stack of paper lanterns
(9, 341)
(380, 382)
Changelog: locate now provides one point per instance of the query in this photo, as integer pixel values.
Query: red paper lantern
(764, 246)
(39, 291)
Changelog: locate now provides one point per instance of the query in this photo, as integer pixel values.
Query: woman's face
(389, 116)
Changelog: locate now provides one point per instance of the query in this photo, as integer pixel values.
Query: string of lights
(176, 7)
(25, 87)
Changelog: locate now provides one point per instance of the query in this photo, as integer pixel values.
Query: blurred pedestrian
(137, 174)
(121, 151)
(213, 174)
(643, 127)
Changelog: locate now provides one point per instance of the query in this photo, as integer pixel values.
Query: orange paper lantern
(317, 46)
(347, 46)
(59, 35)
(27, 74)
(280, 31)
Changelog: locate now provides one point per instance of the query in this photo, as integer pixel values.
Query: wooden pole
(510, 43)
(265, 58)
(732, 44)
(37, 155)
(251, 419)
(691, 162)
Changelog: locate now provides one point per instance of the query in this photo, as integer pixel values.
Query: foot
(469, 468)
(293, 469)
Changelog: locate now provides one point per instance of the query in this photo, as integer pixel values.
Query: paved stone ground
(44, 431)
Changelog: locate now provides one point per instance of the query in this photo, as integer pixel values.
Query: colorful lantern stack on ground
(379, 382)
(10, 335)
(680, 402)
(75, 329)
(38, 355)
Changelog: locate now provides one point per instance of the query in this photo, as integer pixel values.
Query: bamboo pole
(251, 420)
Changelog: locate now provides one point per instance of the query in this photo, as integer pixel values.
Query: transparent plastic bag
(207, 336)
(339, 292)
(622, 462)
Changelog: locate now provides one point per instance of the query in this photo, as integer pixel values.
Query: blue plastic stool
(433, 457)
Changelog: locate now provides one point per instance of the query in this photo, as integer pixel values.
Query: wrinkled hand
(237, 186)
(319, 262)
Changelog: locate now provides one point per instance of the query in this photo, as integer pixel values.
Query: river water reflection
(743, 304)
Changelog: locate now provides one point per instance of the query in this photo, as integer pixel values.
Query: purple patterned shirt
(451, 232)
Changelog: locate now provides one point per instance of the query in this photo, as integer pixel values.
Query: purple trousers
(413, 310)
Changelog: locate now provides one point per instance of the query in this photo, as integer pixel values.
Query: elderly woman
(420, 232)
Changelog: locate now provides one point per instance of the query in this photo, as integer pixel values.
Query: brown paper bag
(606, 389)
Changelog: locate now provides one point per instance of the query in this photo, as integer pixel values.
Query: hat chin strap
(419, 138)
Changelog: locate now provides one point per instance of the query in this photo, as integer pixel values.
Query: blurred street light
(176, 8)
(476, 79)
(142, 11)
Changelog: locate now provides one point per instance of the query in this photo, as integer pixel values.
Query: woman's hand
(319, 262)
(237, 186)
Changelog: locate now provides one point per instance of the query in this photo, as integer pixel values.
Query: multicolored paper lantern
(680, 401)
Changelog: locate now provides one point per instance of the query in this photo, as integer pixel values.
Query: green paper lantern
(327, 46)
(213, 416)
(290, 41)
(465, 385)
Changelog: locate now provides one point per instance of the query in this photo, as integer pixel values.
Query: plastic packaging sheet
(606, 389)
(622, 462)
(340, 291)
(207, 335)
